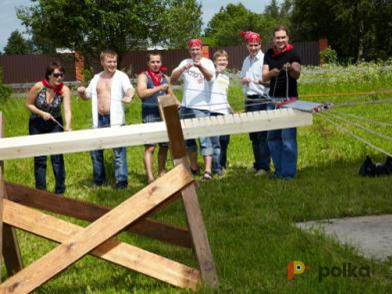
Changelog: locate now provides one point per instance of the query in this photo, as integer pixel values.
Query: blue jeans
(261, 151)
(284, 151)
(38, 125)
(219, 146)
(120, 159)
(205, 142)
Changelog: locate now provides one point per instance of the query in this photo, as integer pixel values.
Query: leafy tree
(183, 22)
(356, 29)
(88, 26)
(272, 9)
(225, 26)
(17, 44)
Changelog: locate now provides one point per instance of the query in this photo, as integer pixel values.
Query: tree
(355, 29)
(88, 26)
(225, 26)
(17, 44)
(183, 22)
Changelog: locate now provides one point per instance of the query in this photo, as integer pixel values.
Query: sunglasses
(60, 74)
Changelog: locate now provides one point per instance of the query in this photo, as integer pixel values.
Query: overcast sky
(9, 22)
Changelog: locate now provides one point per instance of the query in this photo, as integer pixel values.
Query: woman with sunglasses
(44, 101)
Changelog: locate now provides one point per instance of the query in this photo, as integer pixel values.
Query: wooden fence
(31, 68)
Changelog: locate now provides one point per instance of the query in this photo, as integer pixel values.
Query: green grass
(250, 220)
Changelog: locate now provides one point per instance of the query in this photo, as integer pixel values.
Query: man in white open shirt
(197, 73)
(255, 93)
(108, 90)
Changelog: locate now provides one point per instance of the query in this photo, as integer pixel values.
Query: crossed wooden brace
(97, 238)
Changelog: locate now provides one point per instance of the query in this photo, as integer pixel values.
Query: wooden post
(189, 196)
(8, 241)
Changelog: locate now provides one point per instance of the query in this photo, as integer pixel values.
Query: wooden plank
(190, 200)
(129, 256)
(139, 134)
(98, 232)
(9, 242)
(90, 212)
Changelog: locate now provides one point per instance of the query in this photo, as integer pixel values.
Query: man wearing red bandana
(282, 67)
(150, 85)
(255, 98)
(196, 72)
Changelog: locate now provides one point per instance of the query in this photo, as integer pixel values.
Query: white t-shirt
(196, 89)
(253, 68)
(218, 100)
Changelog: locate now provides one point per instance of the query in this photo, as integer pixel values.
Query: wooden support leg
(9, 242)
(189, 196)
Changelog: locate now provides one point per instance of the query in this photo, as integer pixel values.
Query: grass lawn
(249, 219)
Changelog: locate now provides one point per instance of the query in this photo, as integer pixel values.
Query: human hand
(126, 99)
(287, 66)
(246, 80)
(197, 63)
(274, 72)
(188, 66)
(81, 90)
(164, 87)
(47, 116)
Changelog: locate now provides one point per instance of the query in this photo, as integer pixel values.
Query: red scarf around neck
(56, 90)
(156, 76)
(278, 52)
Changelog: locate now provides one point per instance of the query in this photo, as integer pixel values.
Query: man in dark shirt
(282, 68)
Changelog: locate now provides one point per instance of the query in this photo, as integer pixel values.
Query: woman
(44, 101)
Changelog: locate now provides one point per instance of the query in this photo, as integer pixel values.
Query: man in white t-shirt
(256, 93)
(196, 72)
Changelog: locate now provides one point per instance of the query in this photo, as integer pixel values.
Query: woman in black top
(44, 101)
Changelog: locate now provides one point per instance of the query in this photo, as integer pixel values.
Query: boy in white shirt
(219, 105)
(196, 73)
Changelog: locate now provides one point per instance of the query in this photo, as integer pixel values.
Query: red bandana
(278, 52)
(250, 37)
(56, 90)
(194, 43)
(156, 76)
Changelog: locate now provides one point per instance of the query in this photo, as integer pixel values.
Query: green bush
(88, 74)
(329, 56)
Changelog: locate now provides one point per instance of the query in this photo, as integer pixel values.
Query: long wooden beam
(139, 134)
(91, 212)
(98, 232)
(131, 257)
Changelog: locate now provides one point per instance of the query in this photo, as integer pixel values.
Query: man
(282, 67)
(108, 91)
(150, 85)
(196, 72)
(256, 96)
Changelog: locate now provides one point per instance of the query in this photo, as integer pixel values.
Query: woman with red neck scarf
(44, 101)
(150, 85)
(282, 67)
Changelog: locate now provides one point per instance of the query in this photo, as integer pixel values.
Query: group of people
(266, 79)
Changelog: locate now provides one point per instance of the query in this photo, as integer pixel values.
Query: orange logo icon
(295, 268)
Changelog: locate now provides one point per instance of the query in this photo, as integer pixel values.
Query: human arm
(143, 92)
(206, 73)
(127, 88)
(67, 108)
(294, 69)
(30, 102)
(179, 71)
(130, 92)
(268, 73)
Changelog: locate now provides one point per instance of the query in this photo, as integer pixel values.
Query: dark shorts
(150, 115)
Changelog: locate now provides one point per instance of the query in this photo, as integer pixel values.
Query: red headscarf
(278, 52)
(194, 43)
(56, 90)
(156, 77)
(250, 37)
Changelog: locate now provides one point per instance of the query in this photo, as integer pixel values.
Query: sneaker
(207, 176)
(261, 172)
(121, 185)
